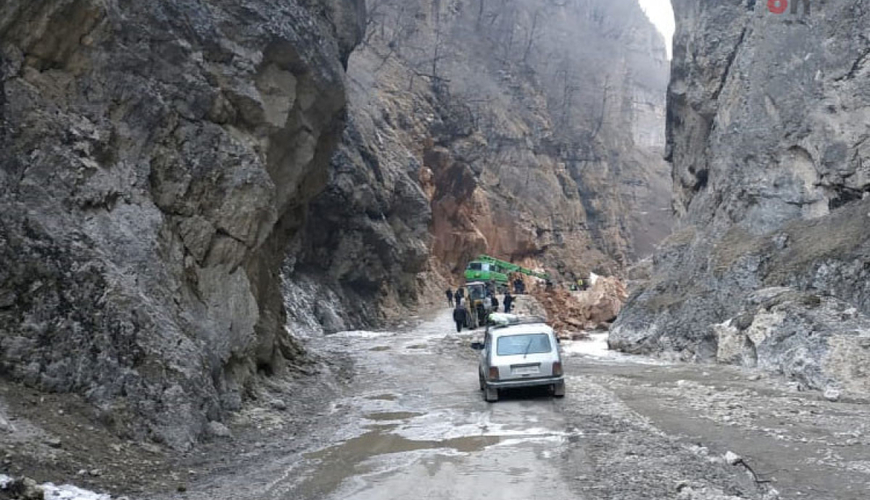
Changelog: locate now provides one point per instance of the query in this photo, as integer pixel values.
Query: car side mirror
(477, 346)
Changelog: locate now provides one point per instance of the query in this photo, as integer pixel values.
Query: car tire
(559, 390)
(490, 394)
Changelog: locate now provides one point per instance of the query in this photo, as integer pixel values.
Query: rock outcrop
(814, 339)
(185, 189)
(767, 134)
(157, 157)
(530, 130)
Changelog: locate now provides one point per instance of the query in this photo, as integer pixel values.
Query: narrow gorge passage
(228, 229)
(412, 424)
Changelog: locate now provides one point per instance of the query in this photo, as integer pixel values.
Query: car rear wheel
(559, 390)
(490, 394)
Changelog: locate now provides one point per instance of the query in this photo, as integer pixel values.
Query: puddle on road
(383, 397)
(343, 461)
(375, 442)
(518, 471)
(394, 415)
(380, 348)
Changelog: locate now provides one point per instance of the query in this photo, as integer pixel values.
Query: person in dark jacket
(494, 301)
(460, 293)
(459, 316)
(508, 302)
(449, 294)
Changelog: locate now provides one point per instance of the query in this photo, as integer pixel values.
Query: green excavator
(486, 268)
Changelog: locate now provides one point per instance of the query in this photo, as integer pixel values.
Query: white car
(522, 353)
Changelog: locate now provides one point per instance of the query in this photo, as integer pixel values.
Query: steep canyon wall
(188, 186)
(767, 132)
(157, 157)
(532, 130)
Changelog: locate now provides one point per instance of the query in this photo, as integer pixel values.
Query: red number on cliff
(777, 6)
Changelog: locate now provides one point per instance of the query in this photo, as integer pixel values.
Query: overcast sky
(662, 15)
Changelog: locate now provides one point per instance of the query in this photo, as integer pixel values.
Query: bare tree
(438, 50)
(569, 88)
(601, 117)
(532, 36)
(373, 13)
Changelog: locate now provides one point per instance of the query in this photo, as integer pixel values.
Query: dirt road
(412, 424)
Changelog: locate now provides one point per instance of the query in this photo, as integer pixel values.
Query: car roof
(521, 329)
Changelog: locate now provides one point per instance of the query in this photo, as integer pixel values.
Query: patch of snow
(68, 492)
(596, 347)
(64, 492)
(366, 334)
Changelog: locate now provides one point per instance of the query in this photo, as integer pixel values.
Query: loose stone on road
(415, 426)
(411, 423)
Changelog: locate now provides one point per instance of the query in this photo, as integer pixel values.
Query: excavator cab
(478, 305)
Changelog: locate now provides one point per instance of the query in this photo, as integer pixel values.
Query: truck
(486, 268)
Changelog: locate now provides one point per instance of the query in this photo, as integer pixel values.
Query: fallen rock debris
(572, 314)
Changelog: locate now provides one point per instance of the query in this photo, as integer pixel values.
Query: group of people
(580, 285)
(456, 300)
(458, 296)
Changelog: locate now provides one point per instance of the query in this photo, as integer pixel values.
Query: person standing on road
(494, 301)
(460, 294)
(459, 316)
(508, 301)
(449, 294)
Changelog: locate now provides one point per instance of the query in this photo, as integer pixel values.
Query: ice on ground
(68, 492)
(64, 492)
(362, 334)
(596, 347)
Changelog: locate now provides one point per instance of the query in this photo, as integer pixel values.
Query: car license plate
(525, 370)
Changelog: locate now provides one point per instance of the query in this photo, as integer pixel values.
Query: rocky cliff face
(527, 129)
(767, 134)
(157, 157)
(183, 182)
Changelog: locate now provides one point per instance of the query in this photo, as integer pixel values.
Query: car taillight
(557, 369)
(493, 373)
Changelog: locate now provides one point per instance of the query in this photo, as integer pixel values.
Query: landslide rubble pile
(573, 313)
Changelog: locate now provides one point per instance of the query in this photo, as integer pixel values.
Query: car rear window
(523, 344)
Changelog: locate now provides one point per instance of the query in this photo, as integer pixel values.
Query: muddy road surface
(411, 423)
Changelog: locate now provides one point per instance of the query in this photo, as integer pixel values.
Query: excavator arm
(511, 267)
